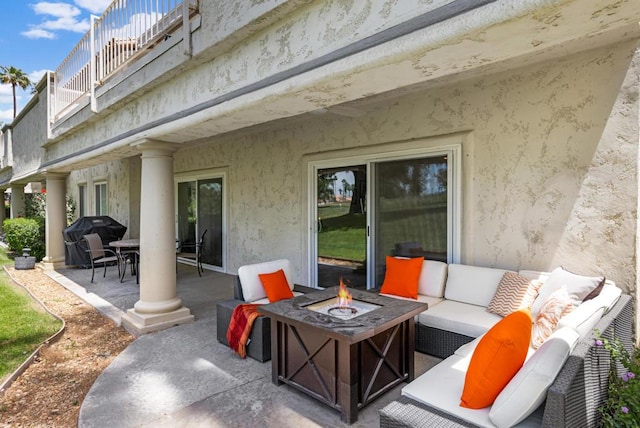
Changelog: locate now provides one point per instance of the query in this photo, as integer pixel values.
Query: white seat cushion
(472, 284)
(252, 289)
(441, 388)
(461, 318)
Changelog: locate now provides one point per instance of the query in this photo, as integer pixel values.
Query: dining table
(127, 248)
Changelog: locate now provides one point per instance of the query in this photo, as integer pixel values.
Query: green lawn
(347, 244)
(24, 325)
(342, 235)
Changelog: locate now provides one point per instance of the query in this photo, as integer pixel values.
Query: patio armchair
(193, 252)
(248, 289)
(99, 254)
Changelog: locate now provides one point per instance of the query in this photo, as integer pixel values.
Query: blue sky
(36, 36)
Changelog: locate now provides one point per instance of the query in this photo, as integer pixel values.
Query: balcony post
(158, 307)
(56, 220)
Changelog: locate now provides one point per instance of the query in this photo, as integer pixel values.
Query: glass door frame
(198, 176)
(454, 197)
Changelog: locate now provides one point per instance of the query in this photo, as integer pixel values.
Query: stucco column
(158, 307)
(56, 220)
(17, 200)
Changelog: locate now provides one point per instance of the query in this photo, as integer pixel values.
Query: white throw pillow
(578, 287)
(528, 388)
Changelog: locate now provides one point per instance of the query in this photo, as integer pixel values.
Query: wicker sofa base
(572, 400)
(437, 342)
(405, 412)
(259, 346)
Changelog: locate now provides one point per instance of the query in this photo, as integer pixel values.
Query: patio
(183, 377)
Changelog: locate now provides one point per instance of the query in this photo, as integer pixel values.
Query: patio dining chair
(193, 252)
(99, 254)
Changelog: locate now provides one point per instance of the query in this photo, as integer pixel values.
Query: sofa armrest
(581, 386)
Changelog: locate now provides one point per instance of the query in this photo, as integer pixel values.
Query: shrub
(25, 233)
(622, 408)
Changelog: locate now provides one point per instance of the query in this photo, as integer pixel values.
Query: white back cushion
(432, 278)
(578, 287)
(528, 388)
(587, 314)
(252, 288)
(472, 284)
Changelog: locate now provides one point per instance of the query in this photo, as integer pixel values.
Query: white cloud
(59, 10)
(66, 23)
(36, 75)
(65, 18)
(37, 33)
(94, 6)
(6, 116)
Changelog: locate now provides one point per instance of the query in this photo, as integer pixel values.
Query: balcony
(124, 32)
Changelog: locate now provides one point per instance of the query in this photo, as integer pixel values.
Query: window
(82, 200)
(101, 199)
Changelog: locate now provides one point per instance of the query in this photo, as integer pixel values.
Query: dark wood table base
(344, 364)
(346, 376)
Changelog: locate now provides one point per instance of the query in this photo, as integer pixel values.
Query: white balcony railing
(123, 31)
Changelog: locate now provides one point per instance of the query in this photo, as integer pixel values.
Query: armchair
(99, 254)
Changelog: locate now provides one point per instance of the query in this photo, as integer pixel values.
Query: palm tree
(14, 77)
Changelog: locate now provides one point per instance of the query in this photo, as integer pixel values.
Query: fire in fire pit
(343, 306)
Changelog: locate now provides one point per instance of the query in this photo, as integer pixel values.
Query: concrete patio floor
(182, 376)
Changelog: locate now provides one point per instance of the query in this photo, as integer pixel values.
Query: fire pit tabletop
(389, 312)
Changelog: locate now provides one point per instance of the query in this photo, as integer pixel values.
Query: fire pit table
(342, 355)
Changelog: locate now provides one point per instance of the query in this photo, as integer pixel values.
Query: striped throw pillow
(514, 292)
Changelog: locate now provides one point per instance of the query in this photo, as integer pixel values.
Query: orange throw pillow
(497, 358)
(276, 286)
(401, 277)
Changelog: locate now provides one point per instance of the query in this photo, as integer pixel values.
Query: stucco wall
(549, 168)
(120, 187)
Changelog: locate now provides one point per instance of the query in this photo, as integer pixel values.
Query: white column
(158, 307)
(56, 220)
(17, 200)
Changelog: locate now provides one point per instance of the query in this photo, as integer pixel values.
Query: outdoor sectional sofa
(573, 382)
(568, 373)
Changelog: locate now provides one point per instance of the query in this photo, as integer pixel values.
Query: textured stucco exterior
(544, 166)
(540, 95)
(123, 191)
(285, 37)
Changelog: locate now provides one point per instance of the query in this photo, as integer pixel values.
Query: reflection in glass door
(200, 208)
(410, 210)
(342, 226)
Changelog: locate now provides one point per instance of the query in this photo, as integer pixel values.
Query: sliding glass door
(200, 208)
(402, 204)
(342, 226)
(410, 210)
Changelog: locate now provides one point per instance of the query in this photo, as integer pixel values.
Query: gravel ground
(49, 393)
